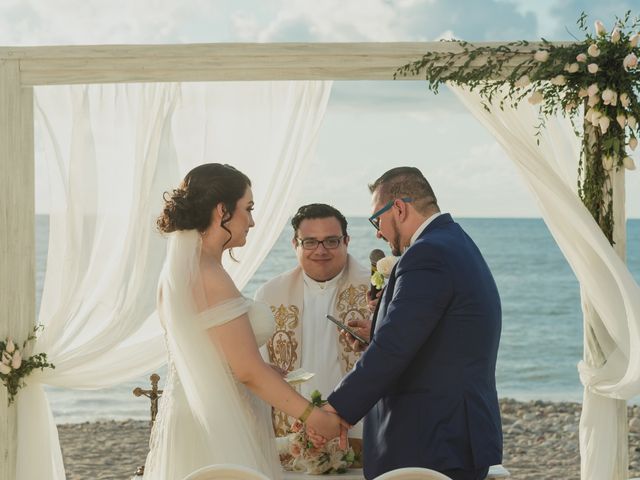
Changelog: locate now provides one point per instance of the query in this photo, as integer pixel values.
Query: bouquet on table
(316, 461)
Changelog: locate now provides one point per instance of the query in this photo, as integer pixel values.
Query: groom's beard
(394, 242)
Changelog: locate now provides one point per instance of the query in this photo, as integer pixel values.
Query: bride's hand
(324, 424)
(315, 438)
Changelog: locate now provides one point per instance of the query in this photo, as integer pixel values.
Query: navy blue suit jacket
(427, 380)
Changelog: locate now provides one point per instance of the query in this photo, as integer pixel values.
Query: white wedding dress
(205, 416)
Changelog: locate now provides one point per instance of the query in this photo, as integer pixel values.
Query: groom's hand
(344, 426)
(373, 302)
(362, 328)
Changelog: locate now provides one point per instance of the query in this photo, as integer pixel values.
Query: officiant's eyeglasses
(375, 220)
(312, 243)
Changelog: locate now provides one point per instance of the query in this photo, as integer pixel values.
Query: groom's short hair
(318, 210)
(406, 182)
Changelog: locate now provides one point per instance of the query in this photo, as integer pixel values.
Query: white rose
(522, 82)
(17, 359)
(581, 57)
(541, 55)
(622, 120)
(625, 100)
(583, 93)
(571, 67)
(593, 89)
(604, 124)
(6, 358)
(595, 115)
(559, 80)
(628, 163)
(592, 67)
(536, 97)
(615, 35)
(631, 121)
(633, 41)
(600, 30)
(607, 162)
(385, 265)
(5, 369)
(630, 61)
(633, 143)
(593, 50)
(609, 97)
(587, 116)
(593, 100)
(10, 346)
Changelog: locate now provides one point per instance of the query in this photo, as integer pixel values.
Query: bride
(216, 402)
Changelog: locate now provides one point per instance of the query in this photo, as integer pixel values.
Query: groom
(426, 383)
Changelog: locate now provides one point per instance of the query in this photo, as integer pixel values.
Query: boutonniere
(383, 270)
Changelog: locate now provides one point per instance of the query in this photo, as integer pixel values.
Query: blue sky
(369, 126)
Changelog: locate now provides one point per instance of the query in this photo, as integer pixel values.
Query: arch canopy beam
(56, 65)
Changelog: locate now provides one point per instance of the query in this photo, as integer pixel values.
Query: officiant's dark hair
(318, 210)
(406, 182)
(190, 205)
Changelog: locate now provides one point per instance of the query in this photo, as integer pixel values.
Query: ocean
(541, 340)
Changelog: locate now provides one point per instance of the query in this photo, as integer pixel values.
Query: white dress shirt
(421, 228)
(320, 353)
(319, 343)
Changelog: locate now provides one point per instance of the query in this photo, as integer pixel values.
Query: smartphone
(348, 329)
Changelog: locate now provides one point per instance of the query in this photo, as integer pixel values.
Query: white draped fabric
(110, 151)
(610, 371)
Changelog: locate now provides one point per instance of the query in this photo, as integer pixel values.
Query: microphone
(374, 256)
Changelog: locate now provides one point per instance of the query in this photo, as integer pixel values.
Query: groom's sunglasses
(375, 220)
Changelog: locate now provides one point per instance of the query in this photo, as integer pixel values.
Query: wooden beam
(224, 61)
(17, 234)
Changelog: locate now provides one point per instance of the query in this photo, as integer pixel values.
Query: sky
(377, 124)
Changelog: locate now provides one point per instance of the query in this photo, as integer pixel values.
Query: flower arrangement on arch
(596, 80)
(306, 458)
(15, 365)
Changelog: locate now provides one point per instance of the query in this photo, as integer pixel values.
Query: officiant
(327, 280)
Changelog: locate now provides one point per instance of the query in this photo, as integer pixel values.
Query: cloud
(484, 182)
(557, 20)
(331, 21)
(32, 22)
(386, 21)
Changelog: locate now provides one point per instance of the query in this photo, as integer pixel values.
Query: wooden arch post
(17, 233)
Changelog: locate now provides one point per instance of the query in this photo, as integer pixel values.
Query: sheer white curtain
(268, 133)
(611, 296)
(110, 151)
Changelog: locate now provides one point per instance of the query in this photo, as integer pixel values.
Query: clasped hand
(329, 427)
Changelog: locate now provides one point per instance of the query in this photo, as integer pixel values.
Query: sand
(540, 442)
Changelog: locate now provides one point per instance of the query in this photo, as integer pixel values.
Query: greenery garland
(594, 82)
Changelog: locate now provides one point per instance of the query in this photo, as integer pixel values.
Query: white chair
(225, 471)
(412, 473)
(498, 471)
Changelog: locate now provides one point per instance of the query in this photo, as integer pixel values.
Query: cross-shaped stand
(154, 394)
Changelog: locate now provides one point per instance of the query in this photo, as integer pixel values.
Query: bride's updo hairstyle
(190, 205)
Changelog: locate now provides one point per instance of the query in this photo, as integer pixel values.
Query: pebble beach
(540, 442)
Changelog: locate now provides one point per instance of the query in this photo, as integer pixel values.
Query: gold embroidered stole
(284, 294)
